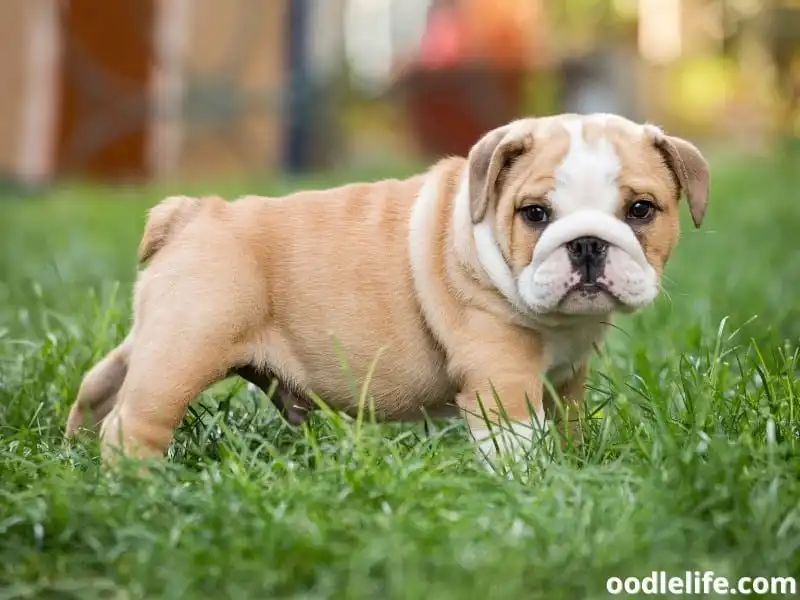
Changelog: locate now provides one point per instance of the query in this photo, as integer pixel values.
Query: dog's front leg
(505, 417)
(501, 398)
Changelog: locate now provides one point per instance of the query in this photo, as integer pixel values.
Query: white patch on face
(587, 177)
(544, 283)
(585, 201)
(542, 287)
(587, 222)
(634, 286)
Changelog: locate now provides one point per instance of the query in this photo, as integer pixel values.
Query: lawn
(693, 463)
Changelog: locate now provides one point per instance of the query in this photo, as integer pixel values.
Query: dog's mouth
(589, 298)
(591, 288)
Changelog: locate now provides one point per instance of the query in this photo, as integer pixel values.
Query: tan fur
(645, 172)
(163, 221)
(98, 393)
(384, 276)
(532, 175)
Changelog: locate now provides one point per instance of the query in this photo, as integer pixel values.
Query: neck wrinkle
(461, 234)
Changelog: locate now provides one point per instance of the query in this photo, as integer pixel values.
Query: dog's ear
(692, 172)
(489, 161)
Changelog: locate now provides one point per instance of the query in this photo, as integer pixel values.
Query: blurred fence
(128, 90)
(145, 89)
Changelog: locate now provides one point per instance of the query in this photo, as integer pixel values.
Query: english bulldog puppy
(459, 291)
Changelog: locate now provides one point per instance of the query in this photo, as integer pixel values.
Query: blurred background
(143, 90)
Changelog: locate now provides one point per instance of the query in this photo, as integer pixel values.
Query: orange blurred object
(468, 74)
(500, 31)
(444, 42)
(500, 34)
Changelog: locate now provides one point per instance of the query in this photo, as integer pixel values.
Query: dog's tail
(163, 221)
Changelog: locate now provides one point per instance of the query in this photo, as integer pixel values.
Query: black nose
(588, 255)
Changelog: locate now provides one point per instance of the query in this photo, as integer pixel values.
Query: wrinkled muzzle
(586, 263)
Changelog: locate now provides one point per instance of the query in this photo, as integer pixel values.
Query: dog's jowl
(470, 283)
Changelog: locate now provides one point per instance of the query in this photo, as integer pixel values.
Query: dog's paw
(515, 445)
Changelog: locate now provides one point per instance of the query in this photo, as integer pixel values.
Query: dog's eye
(642, 210)
(535, 214)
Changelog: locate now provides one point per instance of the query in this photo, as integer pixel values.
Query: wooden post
(104, 87)
(297, 105)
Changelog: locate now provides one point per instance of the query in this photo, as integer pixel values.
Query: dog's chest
(567, 349)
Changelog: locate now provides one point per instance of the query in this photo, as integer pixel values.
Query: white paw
(513, 444)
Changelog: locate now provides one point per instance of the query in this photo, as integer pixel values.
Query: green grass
(694, 464)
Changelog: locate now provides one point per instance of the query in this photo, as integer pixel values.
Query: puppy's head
(577, 214)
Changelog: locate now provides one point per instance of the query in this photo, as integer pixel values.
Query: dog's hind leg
(183, 345)
(99, 388)
(200, 310)
(182, 357)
